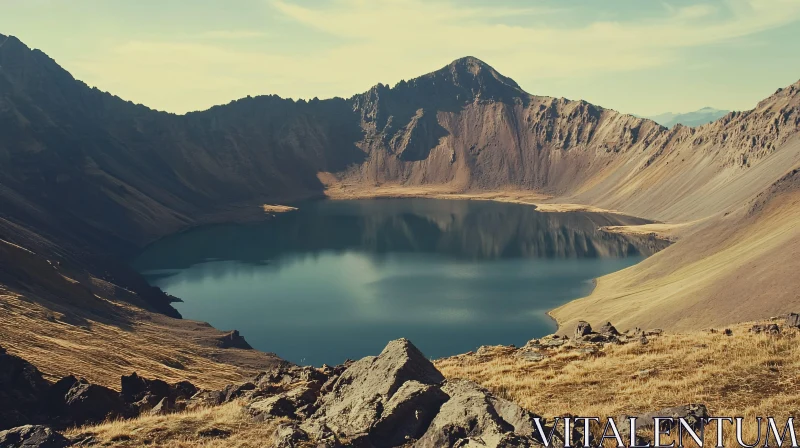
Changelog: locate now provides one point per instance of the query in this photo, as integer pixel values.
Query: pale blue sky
(636, 56)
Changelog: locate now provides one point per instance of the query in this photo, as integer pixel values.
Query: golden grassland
(745, 375)
(725, 270)
(152, 345)
(222, 426)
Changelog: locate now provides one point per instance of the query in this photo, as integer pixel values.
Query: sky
(636, 56)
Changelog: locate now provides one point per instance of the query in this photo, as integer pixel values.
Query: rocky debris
(793, 320)
(553, 341)
(274, 406)
(27, 398)
(232, 392)
(32, 436)
(608, 329)
(771, 329)
(582, 329)
(233, 340)
(289, 435)
(135, 388)
(407, 414)
(473, 415)
(205, 398)
(168, 405)
(692, 413)
(91, 403)
(362, 392)
(22, 389)
(585, 334)
(530, 355)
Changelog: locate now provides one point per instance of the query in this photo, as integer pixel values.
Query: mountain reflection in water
(337, 279)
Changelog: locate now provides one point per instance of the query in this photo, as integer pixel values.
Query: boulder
(205, 398)
(288, 374)
(766, 328)
(793, 320)
(32, 436)
(288, 435)
(146, 404)
(275, 406)
(55, 399)
(92, 403)
(233, 340)
(582, 329)
(232, 392)
(407, 414)
(182, 390)
(165, 406)
(473, 415)
(608, 329)
(363, 391)
(323, 436)
(22, 387)
(134, 388)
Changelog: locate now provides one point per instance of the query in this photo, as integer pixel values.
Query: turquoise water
(338, 279)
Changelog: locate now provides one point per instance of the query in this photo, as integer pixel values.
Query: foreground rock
(22, 389)
(27, 398)
(32, 436)
(363, 395)
(472, 415)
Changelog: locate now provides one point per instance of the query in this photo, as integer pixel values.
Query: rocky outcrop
(365, 389)
(472, 415)
(92, 403)
(793, 320)
(32, 436)
(772, 329)
(26, 397)
(396, 398)
(233, 340)
(22, 390)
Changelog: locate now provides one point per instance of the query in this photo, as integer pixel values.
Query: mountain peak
(470, 67)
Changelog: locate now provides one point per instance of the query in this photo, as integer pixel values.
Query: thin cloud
(388, 40)
(232, 34)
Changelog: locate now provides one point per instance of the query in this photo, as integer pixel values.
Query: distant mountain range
(697, 118)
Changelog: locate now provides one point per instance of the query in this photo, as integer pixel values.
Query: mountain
(692, 119)
(87, 179)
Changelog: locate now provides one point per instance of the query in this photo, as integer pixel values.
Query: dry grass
(725, 270)
(223, 426)
(744, 375)
(101, 351)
